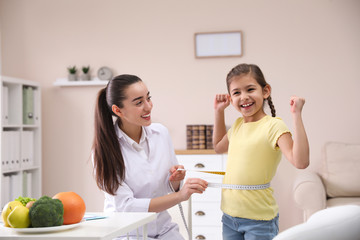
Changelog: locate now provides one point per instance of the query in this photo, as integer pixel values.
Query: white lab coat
(146, 177)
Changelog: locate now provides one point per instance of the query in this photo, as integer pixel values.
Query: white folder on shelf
(11, 150)
(5, 153)
(5, 105)
(15, 146)
(11, 146)
(29, 184)
(27, 146)
(11, 189)
(6, 190)
(23, 150)
(16, 186)
(26, 186)
(37, 101)
(28, 105)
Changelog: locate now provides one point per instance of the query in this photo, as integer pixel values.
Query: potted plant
(86, 73)
(72, 73)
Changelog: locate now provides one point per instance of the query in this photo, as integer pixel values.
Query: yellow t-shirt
(253, 157)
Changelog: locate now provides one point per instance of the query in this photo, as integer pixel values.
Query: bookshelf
(20, 141)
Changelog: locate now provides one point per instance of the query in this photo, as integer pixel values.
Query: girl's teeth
(246, 105)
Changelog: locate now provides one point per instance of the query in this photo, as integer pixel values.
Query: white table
(115, 224)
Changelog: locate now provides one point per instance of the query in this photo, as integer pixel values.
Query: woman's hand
(221, 102)
(175, 174)
(192, 185)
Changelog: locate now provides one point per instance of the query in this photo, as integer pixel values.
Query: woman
(134, 159)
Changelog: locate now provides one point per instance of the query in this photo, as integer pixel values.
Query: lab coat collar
(146, 133)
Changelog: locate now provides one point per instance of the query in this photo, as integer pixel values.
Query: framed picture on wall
(218, 44)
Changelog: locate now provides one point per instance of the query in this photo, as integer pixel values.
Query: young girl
(254, 144)
(134, 160)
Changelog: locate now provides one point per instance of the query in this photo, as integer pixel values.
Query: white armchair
(337, 183)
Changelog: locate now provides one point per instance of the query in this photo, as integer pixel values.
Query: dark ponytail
(108, 160)
(255, 71)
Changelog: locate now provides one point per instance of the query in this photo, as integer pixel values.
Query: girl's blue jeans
(235, 228)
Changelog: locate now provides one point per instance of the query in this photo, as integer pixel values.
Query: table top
(113, 225)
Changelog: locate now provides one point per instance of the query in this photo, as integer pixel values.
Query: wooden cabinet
(20, 139)
(204, 209)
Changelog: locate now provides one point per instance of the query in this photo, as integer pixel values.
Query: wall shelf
(64, 82)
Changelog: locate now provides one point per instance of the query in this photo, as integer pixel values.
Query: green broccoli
(46, 212)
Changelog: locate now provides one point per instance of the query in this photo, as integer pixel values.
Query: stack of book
(199, 136)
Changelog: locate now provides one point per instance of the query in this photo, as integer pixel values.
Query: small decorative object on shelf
(86, 74)
(72, 73)
(104, 73)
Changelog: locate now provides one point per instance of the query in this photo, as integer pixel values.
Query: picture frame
(218, 44)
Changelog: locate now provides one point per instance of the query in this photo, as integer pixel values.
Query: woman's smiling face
(137, 106)
(247, 96)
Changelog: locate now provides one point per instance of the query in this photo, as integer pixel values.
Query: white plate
(44, 229)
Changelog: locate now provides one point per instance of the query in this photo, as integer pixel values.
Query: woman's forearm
(192, 185)
(163, 203)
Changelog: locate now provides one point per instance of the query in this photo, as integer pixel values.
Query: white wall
(304, 47)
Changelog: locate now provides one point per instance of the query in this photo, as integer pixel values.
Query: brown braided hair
(256, 73)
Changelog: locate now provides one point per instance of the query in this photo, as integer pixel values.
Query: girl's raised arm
(220, 140)
(296, 150)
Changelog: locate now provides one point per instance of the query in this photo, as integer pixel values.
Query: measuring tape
(211, 172)
(230, 186)
(219, 185)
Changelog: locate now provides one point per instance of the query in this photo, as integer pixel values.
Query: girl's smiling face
(247, 96)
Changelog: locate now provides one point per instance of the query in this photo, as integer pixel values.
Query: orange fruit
(74, 206)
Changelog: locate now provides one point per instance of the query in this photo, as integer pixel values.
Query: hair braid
(271, 105)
